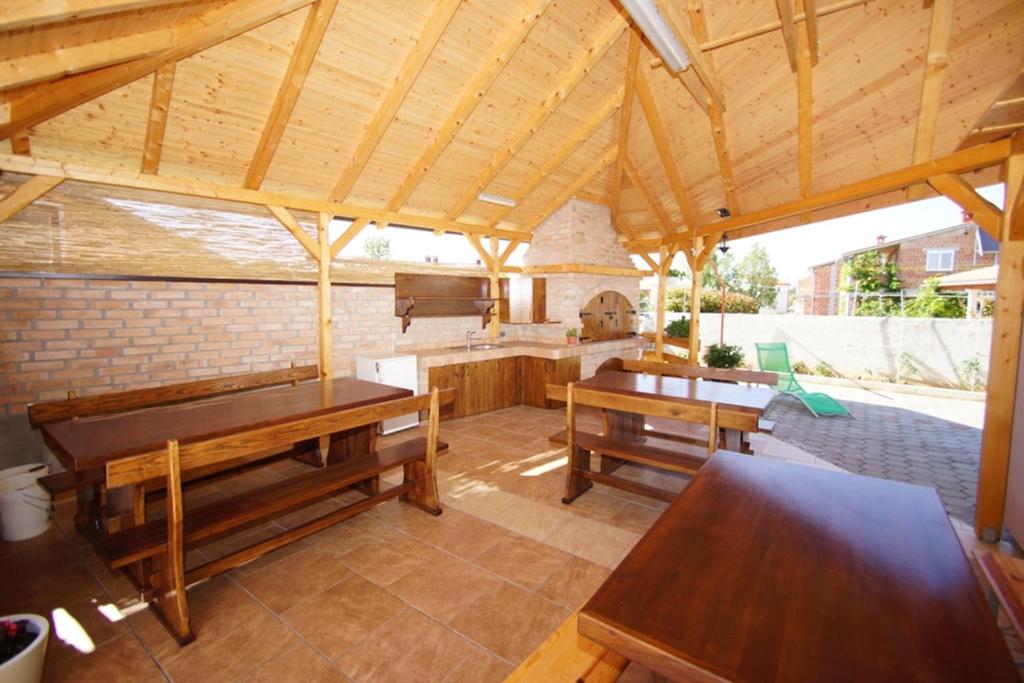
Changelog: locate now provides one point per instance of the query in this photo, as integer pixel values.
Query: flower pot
(572, 341)
(27, 665)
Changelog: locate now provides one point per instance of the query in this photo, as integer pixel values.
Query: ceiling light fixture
(652, 24)
(723, 212)
(496, 199)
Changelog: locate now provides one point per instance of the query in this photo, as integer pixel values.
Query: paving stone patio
(928, 440)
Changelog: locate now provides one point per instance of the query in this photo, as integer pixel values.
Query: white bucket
(27, 665)
(25, 506)
(36, 468)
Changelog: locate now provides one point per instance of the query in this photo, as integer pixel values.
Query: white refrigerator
(395, 371)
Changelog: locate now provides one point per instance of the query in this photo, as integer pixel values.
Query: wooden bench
(640, 448)
(1005, 576)
(566, 657)
(719, 374)
(153, 552)
(105, 404)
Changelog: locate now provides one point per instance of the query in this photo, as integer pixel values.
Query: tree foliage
(756, 277)
(929, 304)
(378, 248)
(677, 299)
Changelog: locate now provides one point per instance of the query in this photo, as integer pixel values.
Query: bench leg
(424, 493)
(171, 603)
(575, 483)
(369, 487)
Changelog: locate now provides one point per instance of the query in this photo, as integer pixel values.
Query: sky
(792, 251)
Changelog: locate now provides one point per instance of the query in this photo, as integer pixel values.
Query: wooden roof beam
(701, 65)
(40, 103)
(805, 111)
(970, 159)
(1013, 175)
(17, 14)
(958, 190)
(661, 144)
(414, 62)
(931, 88)
(306, 46)
(602, 163)
(156, 122)
(810, 24)
(350, 234)
(286, 219)
(562, 153)
(716, 116)
(201, 188)
(572, 78)
(625, 118)
(473, 94)
(478, 246)
(788, 24)
(26, 193)
(664, 222)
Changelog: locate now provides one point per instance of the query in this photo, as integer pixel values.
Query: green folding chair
(774, 357)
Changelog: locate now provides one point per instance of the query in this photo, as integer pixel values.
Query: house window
(939, 260)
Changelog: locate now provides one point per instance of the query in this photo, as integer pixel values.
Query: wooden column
(1004, 361)
(693, 257)
(495, 289)
(324, 316)
(664, 265)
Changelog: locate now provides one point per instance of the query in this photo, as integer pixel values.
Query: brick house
(940, 252)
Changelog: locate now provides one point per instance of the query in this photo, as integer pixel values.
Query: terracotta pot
(572, 341)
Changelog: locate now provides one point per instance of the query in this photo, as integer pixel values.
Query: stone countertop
(452, 354)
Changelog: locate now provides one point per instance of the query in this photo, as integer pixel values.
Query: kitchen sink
(476, 347)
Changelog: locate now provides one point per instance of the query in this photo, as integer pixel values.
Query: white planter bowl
(27, 665)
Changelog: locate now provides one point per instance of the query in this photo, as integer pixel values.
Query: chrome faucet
(469, 339)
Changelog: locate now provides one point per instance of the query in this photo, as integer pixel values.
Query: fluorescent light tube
(653, 25)
(496, 199)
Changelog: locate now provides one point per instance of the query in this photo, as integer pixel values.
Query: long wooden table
(737, 398)
(87, 444)
(763, 570)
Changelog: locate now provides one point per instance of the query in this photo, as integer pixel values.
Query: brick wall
(912, 256)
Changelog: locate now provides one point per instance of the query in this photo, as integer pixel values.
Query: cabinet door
(506, 382)
(450, 377)
(532, 380)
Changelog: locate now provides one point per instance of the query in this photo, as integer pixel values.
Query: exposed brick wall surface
(912, 255)
(97, 336)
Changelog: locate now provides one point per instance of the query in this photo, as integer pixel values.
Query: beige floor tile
(524, 561)
(346, 536)
(445, 588)
(384, 561)
(298, 662)
(595, 541)
(289, 581)
(461, 534)
(121, 659)
(532, 519)
(411, 647)
(573, 583)
(308, 513)
(480, 499)
(343, 615)
(635, 518)
(482, 666)
(597, 505)
(510, 622)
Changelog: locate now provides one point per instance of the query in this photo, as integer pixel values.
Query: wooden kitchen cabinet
(523, 300)
(537, 373)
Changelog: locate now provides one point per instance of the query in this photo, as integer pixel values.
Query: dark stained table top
(739, 396)
(763, 570)
(87, 443)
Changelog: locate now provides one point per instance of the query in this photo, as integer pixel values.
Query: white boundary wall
(936, 348)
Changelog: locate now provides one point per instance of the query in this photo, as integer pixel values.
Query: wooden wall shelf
(439, 296)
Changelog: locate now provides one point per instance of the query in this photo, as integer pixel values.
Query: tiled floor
(394, 594)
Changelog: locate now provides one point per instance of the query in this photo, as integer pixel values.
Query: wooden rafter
(986, 214)
(511, 247)
(288, 220)
(472, 95)
(605, 39)
(810, 24)
(478, 246)
(788, 25)
(931, 87)
(1013, 173)
(39, 103)
(664, 149)
(344, 238)
(716, 115)
(156, 122)
(625, 117)
(17, 14)
(201, 188)
(690, 42)
(306, 47)
(564, 152)
(414, 62)
(588, 175)
(971, 159)
(805, 110)
(26, 193)
(664, 222)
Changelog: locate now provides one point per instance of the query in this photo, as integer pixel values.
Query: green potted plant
(571, 336)
(678, 328)
(723, 356)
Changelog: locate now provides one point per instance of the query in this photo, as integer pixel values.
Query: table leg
(733, 440)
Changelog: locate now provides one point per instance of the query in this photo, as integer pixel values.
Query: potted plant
(723, 356)
(678, 328)
(23, 647)
(571, 337)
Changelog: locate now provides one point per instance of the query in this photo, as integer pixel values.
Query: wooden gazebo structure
(404, 113)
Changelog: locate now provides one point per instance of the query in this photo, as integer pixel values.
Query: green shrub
(678, 328)
(930, 304)
(801, 368)
(723, 356)
(825, 370)
(677, 300)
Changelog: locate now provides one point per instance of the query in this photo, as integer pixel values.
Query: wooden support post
(664, 265)
(324, 316)
(495, 288)
(693, 257)
(1004, 363)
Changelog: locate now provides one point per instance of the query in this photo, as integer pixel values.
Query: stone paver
(923, 440)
